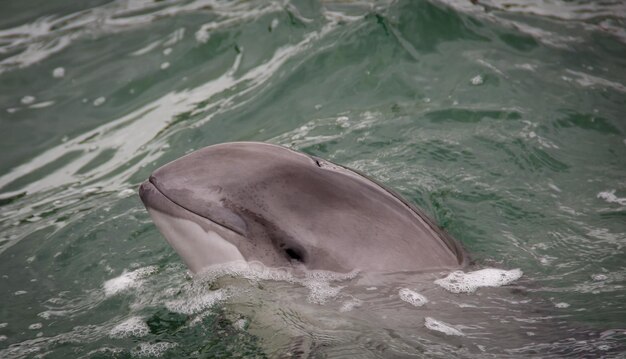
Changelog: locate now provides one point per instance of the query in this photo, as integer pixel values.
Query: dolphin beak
(150, 195)
(146, 190)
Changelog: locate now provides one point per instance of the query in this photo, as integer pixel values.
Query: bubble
(152, 349)
(477, 80)
(99, 101)
(131, 327)
(27, 100)
(167, 51)
(317, 281)
(58, 72)
(460, 282)
(599, 277)
(350, 305)
(195, 304)
(274, 24)
(35, 326)
(165, 65)
(562, 305)
(412, 297)
(442, 327)
(241, 324)
(343, 121)
(202, 36)
(320, 291)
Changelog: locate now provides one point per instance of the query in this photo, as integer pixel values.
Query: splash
(127, 280)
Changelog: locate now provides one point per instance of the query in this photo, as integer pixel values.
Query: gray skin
(261, 202)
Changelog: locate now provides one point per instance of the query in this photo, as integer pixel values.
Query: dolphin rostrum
(255, 201)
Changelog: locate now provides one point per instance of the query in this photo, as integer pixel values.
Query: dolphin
(260, 202)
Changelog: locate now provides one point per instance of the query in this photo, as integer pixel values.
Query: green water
(505, 122)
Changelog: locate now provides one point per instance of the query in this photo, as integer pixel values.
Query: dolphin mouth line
(151, 181)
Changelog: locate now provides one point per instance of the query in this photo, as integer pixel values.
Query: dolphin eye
(293, 254)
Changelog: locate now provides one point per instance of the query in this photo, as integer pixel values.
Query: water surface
(503, 120)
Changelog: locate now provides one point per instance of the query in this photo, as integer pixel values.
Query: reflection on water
(502, 119)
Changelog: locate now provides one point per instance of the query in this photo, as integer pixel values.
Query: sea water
(503, 121)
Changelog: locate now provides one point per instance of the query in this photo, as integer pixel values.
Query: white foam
(349, 305)
(317, 281)
(27, 100)
(609, 196)
(3, 325)
(3, 338)
(126, 192)
(20, 292)
(412, 297)
(599, 277)
(320, 291)
(35, 326)
(131, 327)
(274, 24)
(460, 282)
(99, 101)
(241, 324)
(477, 80)
(195, 304)
(561, 305)
(442, 327)
(43, 104)
(126, 280)
(58, 72)
(152, 350)
(165, 65)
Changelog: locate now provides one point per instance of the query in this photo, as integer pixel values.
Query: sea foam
(412, 297)
(126, 280)
(196, 304)
(442, 327)
(317, 281)
(152, 349)
(131, 327)
(460, 282)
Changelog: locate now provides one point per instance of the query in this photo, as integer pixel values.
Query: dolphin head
(261, 202)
